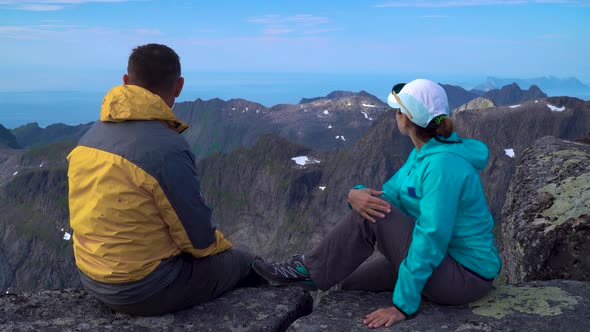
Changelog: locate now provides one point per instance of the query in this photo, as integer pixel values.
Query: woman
(430, 221)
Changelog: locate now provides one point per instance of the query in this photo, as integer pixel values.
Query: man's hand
(383, 317)
(367, 204)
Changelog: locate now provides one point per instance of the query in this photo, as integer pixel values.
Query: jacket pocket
(413, 190)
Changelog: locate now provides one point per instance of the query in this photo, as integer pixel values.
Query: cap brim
(392, 102)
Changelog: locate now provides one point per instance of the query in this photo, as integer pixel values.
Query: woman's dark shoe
(291, 272)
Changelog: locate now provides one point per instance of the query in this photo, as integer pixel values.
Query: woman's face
(402, 122)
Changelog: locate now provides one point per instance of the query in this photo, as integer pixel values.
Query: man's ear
(125, 79)
(179, 85)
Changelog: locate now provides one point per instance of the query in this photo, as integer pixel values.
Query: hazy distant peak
(543, 82)
(512, 94)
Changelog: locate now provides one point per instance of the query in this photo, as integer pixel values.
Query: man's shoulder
(138, 141)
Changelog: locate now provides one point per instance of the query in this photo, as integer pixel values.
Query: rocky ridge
(325, 123)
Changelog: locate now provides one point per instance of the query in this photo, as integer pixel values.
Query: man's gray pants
(341, 257)
(200, 280)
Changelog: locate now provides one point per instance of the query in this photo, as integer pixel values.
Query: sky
(84, 44)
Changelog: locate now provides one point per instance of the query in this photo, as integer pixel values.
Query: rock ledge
(244, 309)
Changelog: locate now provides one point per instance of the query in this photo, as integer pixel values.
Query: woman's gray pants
(341, 257)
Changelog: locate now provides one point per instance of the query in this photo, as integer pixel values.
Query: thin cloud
(565, 2)
(554, 36)
(49, 5)
(266, 19)
(149, 32)
(66, 32)
(465, 3)
(301, 23)
(206, 30)
(433, 16)
(277, 31)
(319, 31)
(262, 40)
(28, 32)
(40, 8)
(307, 20)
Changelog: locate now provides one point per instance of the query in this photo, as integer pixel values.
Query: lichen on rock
(543, 301)
(572, 197)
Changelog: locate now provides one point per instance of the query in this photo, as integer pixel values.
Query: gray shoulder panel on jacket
(165, 155)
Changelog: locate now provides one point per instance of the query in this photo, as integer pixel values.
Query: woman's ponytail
(442, 125)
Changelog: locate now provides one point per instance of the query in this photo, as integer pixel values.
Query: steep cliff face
(257, 193)
(264, 201)
(10, 161)
(35, 251)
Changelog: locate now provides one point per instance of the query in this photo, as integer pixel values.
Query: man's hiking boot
(291, 272)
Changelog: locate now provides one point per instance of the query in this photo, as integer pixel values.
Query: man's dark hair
(154, 67)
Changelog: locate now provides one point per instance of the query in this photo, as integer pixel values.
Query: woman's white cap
(423, 99)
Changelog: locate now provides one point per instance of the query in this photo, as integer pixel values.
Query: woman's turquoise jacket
(440, 186)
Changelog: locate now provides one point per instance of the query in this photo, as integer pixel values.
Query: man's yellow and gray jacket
(135, 199)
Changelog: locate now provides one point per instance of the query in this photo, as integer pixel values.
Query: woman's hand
(383, 317)
(367, 204)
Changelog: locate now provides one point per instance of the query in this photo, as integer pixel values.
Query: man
(143, 238)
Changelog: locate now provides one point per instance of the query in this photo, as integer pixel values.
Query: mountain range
(323, 123)
(262, 198)
(544, 82)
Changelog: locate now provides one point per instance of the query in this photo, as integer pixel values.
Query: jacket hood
(132, 102)
(472, 150)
